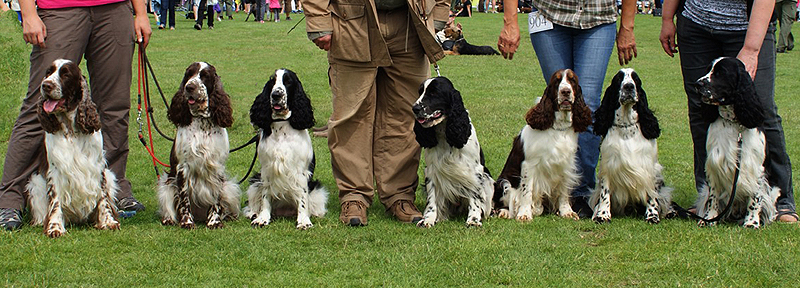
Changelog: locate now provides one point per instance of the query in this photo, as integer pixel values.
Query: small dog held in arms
(629, 173)
(197, 186)
(541, 169)
(283, 114)
(74, 184)
(455, 175)
(734, 142)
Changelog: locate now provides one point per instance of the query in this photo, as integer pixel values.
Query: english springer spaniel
(629, 173)
(541, 169)
(197, 186)
(733, 140)
(283, 114)
(455, 175)
(73, 184)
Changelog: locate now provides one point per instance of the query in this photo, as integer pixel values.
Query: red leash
(150, 149)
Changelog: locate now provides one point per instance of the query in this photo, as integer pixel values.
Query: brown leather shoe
(405, 211)
(353, 213)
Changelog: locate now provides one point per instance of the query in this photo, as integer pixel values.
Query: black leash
(681, 211)
(295, 24)
(150, 110)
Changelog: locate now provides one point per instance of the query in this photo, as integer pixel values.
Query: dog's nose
(276, 95)
(47, 86)
(417, 109)
(190, 88)
(628, 86)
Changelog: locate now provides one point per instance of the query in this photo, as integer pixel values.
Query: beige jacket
(356, 38)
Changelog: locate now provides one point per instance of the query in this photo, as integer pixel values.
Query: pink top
(274, 4)
(56, 4)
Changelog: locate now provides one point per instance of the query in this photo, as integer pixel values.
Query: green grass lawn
(548, 251)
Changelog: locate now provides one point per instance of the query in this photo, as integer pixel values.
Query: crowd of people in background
(198, 10)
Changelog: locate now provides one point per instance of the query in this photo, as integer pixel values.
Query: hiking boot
(10, 218)
(129, 204)
(353, 213)
(405, 211)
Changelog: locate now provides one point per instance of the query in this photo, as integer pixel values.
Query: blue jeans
(585, 51)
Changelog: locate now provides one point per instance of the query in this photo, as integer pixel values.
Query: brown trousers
(371, 131)
(104, 35)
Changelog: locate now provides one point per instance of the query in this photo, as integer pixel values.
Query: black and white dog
(283, 114)
(73, 184)
(197, 186)
(629, 173)
(734, 140)
(455, 175)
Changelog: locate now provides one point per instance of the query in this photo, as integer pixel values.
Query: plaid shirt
(579, 14)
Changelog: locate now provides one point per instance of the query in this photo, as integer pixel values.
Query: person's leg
(70, 28)
(398, 85)
(108, 61)
(785, 10)
(590, 53)
(171, 11)
(201, 11)
(210, 11)
(350, 131)
(698, 48)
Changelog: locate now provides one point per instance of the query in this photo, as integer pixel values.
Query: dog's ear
(604, 115)
(426, 137)
(302, 111)
(748, 107)
(581, 114)
(261, 111)
(648, 123)
(542, 115)
(178, 112)
(221, 109)
(86, 118)
(458, 128)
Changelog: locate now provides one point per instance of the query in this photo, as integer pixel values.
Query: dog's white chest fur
(285, 156)
(76, 166)
(202, 149)
(547, 151)
(453, 171)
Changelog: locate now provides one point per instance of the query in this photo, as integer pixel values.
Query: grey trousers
(787, 11)
(104, 36)
(699, 46)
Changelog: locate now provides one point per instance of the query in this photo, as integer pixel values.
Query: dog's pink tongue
(276, 107)
(191, 101)
(49, 105)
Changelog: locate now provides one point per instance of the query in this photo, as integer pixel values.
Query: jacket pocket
(350, 39)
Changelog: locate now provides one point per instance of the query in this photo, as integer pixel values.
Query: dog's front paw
(504, 213)
(187, 222)
(55, 230)
(751, 224)
(167, 222)
(215, 224)
(110, 225)
(524, 218)
(259, 222)
(703, 223)
(653, 219)
(601, 219)
(474, 222)
(304, 226)
(426, 223)
(570, 215)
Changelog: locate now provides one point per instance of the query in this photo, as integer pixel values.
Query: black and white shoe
(10, 218)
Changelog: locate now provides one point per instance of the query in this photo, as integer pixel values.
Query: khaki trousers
(104, 35)
(371, 131)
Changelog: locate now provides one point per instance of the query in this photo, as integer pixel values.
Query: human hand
(34, 31)
(323, 42)
(143, 31)
(509, 39)
(626, 45)
(750, 60)
(667, 37)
